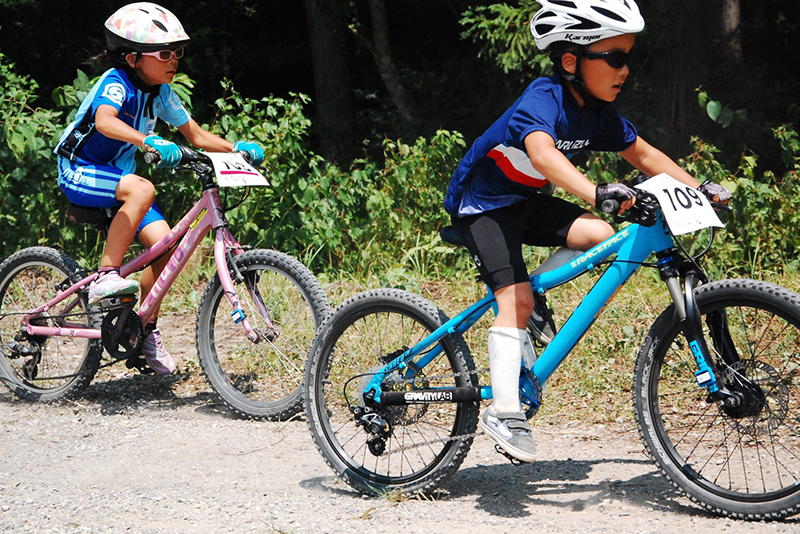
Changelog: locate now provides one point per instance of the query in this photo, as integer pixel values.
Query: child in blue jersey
(495, 197)
(96, 166)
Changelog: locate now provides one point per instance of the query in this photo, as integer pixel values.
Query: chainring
(122, 341)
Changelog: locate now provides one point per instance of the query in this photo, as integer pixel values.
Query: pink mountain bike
(255, 320)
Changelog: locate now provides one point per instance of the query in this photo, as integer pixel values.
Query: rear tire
(427, 442)
(742, 463)
(66, 365)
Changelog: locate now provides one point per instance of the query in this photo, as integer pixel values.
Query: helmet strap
(150, 90)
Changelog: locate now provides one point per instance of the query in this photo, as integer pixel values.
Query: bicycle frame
(632, 246)
(207, 214)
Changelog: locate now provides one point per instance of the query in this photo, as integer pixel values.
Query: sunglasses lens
(617, 60)
(166, 55)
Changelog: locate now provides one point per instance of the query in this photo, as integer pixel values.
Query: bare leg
(137, 195)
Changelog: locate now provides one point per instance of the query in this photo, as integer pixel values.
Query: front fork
(707, 374)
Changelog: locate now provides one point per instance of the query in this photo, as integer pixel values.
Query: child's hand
(619, 193)
(168, 151)
(255, 151)
(715, 192)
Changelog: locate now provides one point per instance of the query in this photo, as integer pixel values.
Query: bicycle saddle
(450, 235)
(84, 215)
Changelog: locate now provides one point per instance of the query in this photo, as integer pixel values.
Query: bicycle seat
(95, 216)
(450, 235)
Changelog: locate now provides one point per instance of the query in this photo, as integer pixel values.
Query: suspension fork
(688, 313)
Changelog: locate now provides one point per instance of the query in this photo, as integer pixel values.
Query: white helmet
(584, 21)
(143, 27)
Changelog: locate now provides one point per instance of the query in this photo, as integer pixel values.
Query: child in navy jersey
(495, 197)
(96, 152)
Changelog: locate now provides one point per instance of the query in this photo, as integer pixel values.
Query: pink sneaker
(156, 355)
(111, 285)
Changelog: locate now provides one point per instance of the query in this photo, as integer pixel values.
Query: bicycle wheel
(42, 368)
(261, 380)
(427, 442)
(742, 462)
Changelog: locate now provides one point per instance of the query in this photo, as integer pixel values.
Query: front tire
(428, 442)
(59, 366)
(742, 463)
(261, 381)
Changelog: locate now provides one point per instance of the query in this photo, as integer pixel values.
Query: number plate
(686, 209)
(233, 171)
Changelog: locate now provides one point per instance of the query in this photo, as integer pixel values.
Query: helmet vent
(609, 14)
(543, 29)
(565, 3)
(160, 26)
(584, 24)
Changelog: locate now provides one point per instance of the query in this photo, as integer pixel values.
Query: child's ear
(131, 59)
(569, 61)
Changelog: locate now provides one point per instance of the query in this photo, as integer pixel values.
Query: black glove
(711, 190)
(618, 193)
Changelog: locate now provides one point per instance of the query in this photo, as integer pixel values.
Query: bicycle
(254, 323)
(392, 393)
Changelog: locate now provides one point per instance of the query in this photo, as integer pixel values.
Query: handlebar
(643, 212)
(188, 155)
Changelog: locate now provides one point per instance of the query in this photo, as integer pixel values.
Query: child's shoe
(111, 285)
(156, 355)
(511, 431)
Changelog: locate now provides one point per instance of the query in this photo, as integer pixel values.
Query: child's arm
(559, 170)
(201, 138)
(107, 123)
(652, 161)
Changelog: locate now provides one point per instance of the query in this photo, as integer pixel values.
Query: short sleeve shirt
(497, 172)
(83, 144)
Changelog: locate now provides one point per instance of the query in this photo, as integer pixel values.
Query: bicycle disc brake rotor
(766, 397)
(122, 341)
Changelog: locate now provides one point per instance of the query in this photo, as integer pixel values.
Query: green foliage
(498, 28)
(760, 235)
(719, 112)
(29, 197)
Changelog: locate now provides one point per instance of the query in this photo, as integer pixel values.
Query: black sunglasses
(616, 58)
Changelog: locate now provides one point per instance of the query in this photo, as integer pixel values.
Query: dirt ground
(154, 454)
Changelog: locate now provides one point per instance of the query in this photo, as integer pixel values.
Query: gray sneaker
(511, 431)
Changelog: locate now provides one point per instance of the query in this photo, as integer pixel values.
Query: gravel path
(155, 454)
(158, 459)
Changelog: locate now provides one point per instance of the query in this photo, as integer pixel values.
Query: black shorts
(495, 238)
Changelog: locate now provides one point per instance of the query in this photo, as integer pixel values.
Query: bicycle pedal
(514, 461)
(116, 302)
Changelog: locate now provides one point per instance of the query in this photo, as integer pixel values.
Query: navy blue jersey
(82, 144)
(497, 172)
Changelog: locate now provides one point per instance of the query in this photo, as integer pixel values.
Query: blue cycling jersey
(496, 171)
(82, 144)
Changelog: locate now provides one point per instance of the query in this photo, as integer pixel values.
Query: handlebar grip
(152, 158)
(610, 206)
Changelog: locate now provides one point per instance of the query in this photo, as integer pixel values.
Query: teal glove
(255, 151)
(168, 151)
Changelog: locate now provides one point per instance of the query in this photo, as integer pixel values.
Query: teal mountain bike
(392, 393)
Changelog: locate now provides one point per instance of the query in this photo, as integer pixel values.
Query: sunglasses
(616, 59)
(165, 55)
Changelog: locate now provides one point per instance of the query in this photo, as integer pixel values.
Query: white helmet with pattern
(584, 22)
(143, 27)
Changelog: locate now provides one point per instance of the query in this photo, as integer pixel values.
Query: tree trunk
(731, 18)
(381, 52)
(333, 87)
